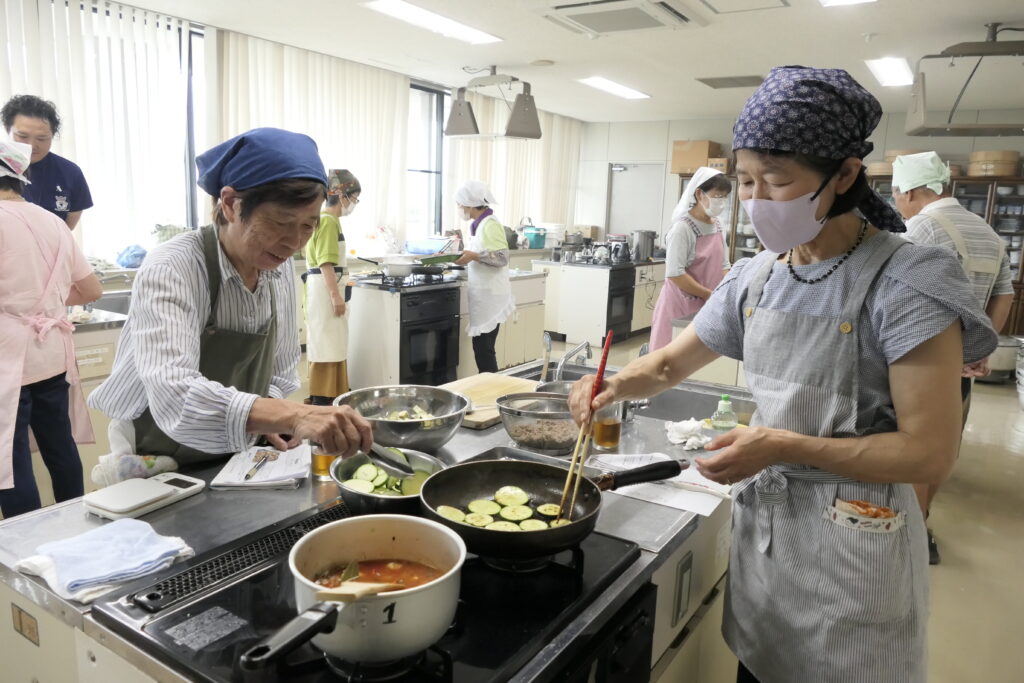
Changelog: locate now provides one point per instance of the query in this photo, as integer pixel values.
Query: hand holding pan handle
(664, 469)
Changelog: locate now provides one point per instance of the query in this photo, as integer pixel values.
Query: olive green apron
(241, 360)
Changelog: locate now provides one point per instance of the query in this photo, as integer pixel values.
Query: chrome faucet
(546, 340)
(581, 349)
(630, 407)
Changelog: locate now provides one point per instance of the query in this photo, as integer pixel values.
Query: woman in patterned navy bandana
(852, 342)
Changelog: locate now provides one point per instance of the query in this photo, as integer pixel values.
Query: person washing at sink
(326, 309)
(42, 270)
(852, 341)
(695, 259)
(209, 352)
(490, 290)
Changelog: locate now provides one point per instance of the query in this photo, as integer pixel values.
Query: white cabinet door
(717, 662)
(515, 340)
(552, 293)
(532, 320)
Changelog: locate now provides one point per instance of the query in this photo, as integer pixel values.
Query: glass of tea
(321, 462)
(608, 426)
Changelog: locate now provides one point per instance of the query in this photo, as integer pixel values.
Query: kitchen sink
(115, 302)
(687, 399)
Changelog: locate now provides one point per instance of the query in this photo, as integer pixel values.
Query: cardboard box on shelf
(723, 164)
(689, 155)
(591, 231)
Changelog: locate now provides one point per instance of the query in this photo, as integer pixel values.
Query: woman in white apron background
(326, 308)
(852, 341)
(490, 291)
(695, 258)
(42, 270)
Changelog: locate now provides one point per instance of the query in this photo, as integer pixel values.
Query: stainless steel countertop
(213, 518)
(102, 320)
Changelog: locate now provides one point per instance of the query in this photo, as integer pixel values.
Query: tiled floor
(977, 592)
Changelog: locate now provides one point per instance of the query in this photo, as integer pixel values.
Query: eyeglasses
(353, 200)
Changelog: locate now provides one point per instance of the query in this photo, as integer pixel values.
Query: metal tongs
(579, 455)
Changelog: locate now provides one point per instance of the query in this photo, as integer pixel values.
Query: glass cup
(321, 462)
(607, 423)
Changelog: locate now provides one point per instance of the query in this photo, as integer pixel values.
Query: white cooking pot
(375, 628)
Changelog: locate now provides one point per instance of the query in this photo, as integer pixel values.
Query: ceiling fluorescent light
(449, 28)
(891, 71)
(837, 3)
(614, 88)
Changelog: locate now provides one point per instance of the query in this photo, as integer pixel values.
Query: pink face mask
(782, 225)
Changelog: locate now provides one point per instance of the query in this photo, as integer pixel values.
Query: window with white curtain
(358, 115)
(118, 76)
(529, 178)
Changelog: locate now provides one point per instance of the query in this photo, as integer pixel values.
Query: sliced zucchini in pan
(559, 522)
(511, 495)
(478, 519)
(503, 526)
(533, 524)
(484, 507)
(361, 485)
(516, 513)
(548, 509)
(448, 512)
(367, 472)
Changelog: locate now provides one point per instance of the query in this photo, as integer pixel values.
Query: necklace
(792, 272)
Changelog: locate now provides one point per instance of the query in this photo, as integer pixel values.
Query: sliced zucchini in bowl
(361, 485)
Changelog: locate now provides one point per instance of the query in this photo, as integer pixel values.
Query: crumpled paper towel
(690, 433)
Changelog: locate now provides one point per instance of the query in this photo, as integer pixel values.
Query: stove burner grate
(181, 586)
(535, 564)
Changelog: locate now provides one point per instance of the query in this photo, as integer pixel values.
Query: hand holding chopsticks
(579, 455)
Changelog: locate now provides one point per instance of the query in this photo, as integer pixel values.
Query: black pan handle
(319, 618)
(664, 469)
(376, 263)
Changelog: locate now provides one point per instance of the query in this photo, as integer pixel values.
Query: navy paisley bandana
(817, 112)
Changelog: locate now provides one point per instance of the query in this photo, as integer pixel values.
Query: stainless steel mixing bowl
(376, 404)
(539, 421)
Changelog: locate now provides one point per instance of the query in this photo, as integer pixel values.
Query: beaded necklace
(792, 272)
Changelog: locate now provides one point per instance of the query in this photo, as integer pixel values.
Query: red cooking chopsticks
(586, 430)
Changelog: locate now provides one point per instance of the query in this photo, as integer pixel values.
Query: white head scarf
(926, 169)
(474, 193)
(17, 156)
(687, 201)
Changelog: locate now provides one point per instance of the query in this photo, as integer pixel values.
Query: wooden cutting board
(483, 390)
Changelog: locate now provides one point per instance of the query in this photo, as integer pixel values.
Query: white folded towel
(90, 564)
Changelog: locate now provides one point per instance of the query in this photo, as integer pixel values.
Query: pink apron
(673, 303)
(15, 333)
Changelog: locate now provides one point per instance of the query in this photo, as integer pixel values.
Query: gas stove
(416, 281)
(199, 619)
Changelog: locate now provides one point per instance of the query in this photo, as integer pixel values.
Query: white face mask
(348, 208)
(784, 224)
(464, 214)
(715, 206)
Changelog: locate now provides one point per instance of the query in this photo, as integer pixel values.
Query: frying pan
(460, 484)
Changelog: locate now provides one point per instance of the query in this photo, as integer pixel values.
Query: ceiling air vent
(732, 82)
(609, 17)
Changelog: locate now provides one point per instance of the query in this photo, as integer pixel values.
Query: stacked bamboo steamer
(999, 162)
(884, 168)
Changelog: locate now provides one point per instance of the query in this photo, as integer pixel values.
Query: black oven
(620, 302)
(429, 330)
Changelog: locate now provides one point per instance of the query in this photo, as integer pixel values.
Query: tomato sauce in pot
(406, 573)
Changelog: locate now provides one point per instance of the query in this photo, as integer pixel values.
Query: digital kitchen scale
(137, 497)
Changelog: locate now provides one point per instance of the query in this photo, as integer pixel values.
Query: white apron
(490, 291)
(16, 331)
(326, 333)
(813, 595)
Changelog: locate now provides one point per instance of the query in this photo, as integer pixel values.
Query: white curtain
(117, 77)
(529, 178)
(357, 114)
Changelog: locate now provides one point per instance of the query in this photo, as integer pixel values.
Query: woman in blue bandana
(209, 353)
(852, 342)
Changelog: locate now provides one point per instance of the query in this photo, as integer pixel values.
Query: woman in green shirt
(326, 315)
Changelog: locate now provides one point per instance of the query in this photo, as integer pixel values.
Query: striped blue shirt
(157, 362)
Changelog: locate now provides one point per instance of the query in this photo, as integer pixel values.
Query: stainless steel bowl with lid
(439, 416)
(539, 421)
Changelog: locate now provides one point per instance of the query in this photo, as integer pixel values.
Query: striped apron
(812, 595)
